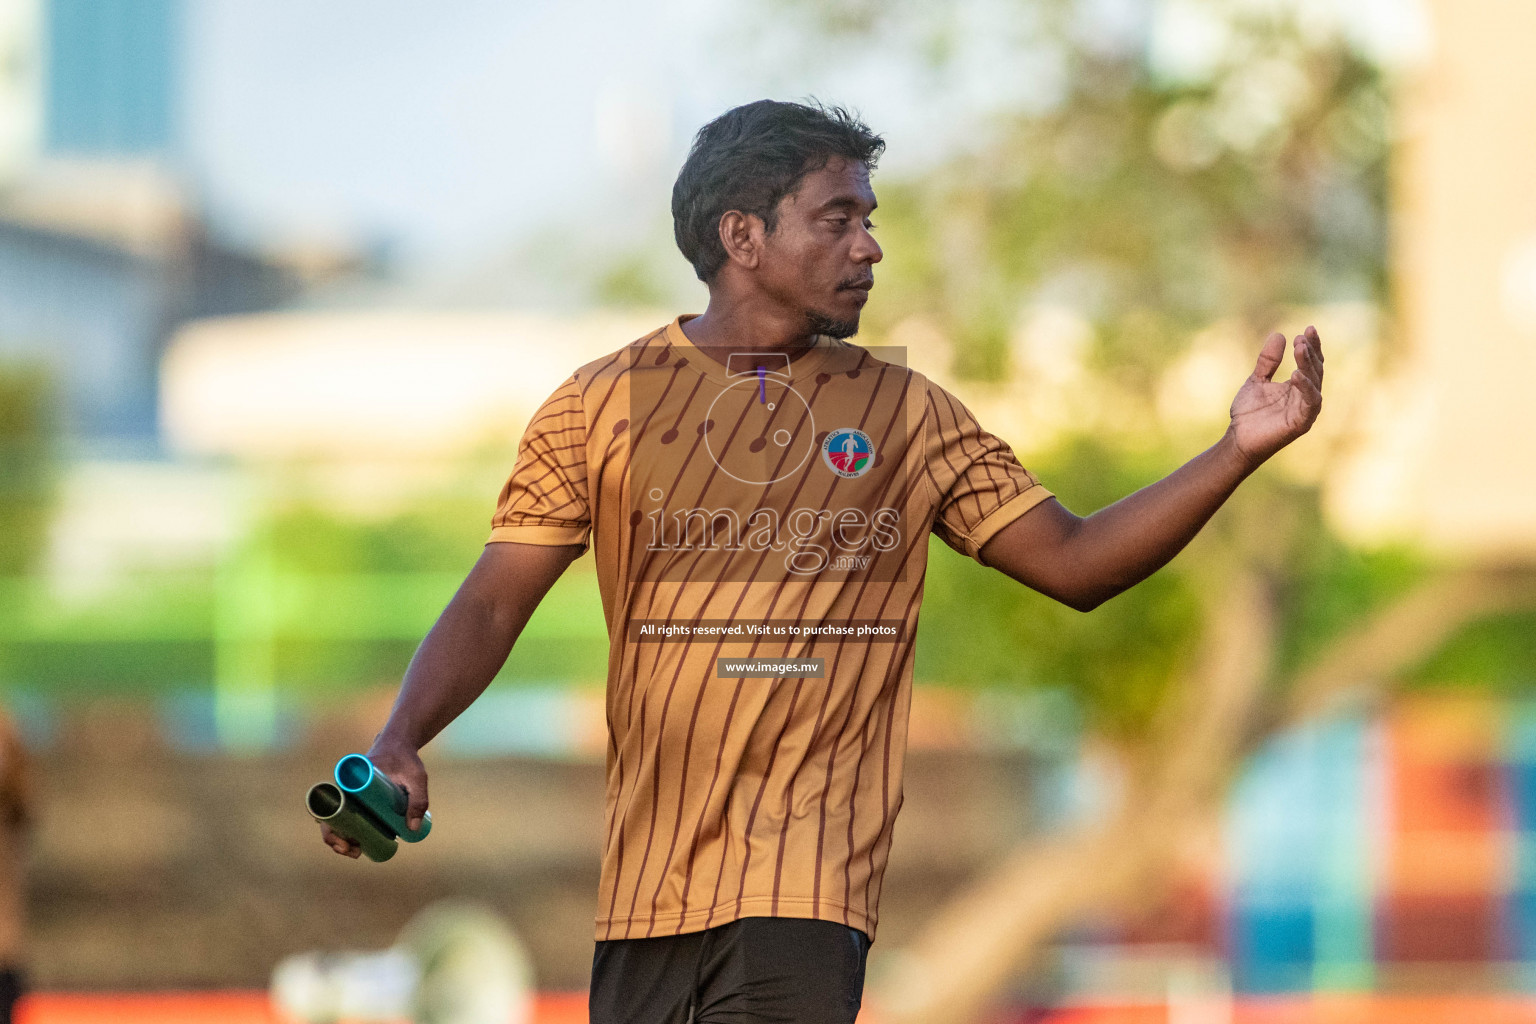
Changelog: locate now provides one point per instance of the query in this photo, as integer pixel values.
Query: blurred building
(99, 263)
(387, 386)
(102, 252)
(1449, 461)
(97, 79)
(111, 76)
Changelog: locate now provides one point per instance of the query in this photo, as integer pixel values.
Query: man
(759, 492)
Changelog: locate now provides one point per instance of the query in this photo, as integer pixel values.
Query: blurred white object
(454, 963)
(346, 986)
(347, 386)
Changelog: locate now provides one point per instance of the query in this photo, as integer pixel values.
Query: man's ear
(741, 235)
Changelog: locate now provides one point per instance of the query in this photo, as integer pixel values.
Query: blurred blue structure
(112, 76)
(1301, 842)
(1364, 852)
(1522, 783)
(98, 311)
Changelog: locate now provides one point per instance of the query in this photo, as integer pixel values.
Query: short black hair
(748, 159)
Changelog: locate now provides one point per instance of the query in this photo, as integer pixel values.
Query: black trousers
(758, 970)
(12, 987)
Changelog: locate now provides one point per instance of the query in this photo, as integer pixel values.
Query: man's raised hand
(1267, 414)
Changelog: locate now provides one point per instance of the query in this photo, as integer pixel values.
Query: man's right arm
(458, 659)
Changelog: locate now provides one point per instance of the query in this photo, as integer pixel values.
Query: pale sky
(454, 130)
(453, 127)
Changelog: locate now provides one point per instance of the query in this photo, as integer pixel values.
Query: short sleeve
(979, 483)
(545, 499)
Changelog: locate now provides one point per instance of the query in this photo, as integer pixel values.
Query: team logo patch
(848, 452)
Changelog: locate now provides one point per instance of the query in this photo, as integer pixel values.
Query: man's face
(820, 257)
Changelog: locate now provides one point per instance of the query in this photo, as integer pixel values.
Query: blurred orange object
(146, 1008)
(571, 1008)
(216, 1008)
(1444, 766)
(1322, 1009)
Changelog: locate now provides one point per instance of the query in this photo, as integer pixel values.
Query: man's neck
(726, 328)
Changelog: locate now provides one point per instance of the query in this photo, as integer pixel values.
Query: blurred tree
(27, 456)
(630, 282)
(1150, 195)
(1150, 187)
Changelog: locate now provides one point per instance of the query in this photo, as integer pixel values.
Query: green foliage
(979, 627)
(100, 666)
(631, 282)
(1497, 653)
(27, 466)
(1155, 201)
(1329, 586)
(414, 556)
(428, 535)
(330, 601)
(151, 632)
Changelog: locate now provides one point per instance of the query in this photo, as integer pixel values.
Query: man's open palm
(1268, 414)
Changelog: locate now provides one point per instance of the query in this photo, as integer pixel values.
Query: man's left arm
(1083, 562)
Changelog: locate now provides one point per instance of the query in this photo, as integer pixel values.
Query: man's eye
(870, 225)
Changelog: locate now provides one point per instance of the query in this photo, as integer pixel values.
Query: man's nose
(867, 250)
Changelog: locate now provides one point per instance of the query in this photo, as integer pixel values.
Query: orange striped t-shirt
(768, 508)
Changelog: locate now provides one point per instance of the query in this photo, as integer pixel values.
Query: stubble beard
(821, 323)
